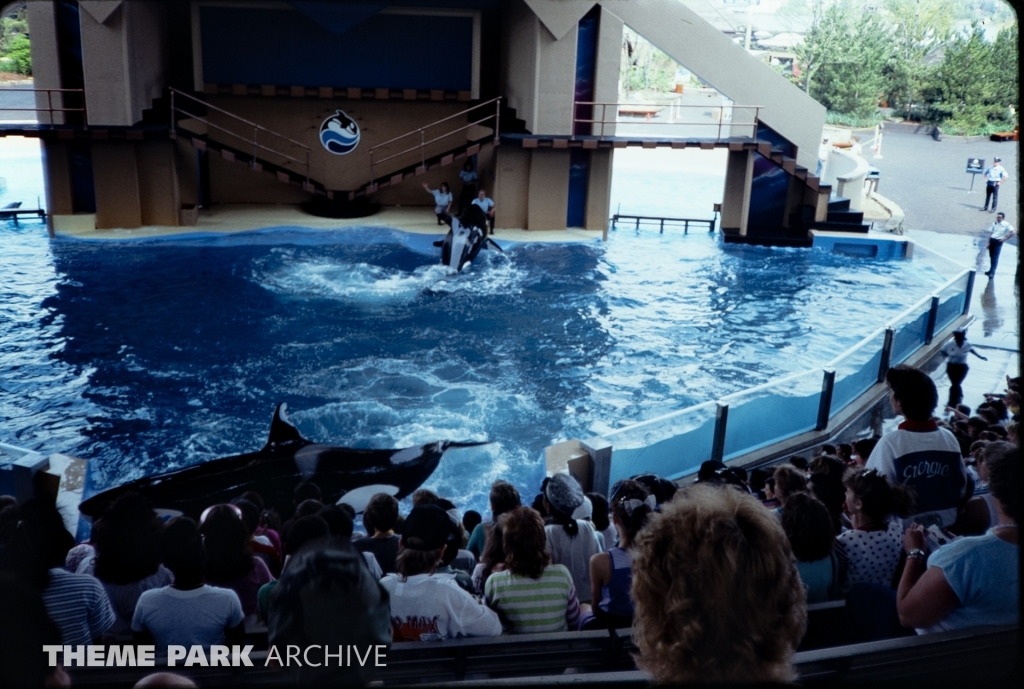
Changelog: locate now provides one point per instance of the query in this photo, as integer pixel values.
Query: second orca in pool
(286, 460)
(465, 239)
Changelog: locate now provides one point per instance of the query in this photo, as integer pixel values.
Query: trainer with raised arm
(1000, 232)
(442, 203)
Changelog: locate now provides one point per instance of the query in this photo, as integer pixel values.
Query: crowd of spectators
(714, 576)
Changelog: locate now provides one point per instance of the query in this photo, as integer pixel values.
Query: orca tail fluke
(282, 430)
(493, 244)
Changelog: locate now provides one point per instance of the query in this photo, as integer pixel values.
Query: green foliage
(19, 56)
(966, 91)
(920, 27)
(844, 56)
(644, 67)
(846, 120)
(13, 23)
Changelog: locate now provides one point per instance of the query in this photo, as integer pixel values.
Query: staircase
(188, 120)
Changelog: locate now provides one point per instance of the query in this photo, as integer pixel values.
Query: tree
(19, 56)
(1004, 60)
(843, 56)
(966, 85)
(921, 26)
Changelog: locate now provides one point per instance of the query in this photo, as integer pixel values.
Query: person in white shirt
(994, 177)
(1000, 232)
(442, 203)
(188, 612)
(956, 350)
(425, 605)
(487, 206)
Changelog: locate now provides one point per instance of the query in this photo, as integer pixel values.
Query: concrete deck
(243, 218)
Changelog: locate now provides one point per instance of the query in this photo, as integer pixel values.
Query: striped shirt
(78, 605)
(546, 604)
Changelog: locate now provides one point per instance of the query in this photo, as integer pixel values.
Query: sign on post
(975, 167)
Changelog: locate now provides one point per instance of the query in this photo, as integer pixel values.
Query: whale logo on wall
(339, 133)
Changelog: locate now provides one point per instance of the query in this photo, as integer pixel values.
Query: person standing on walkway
(956, 350)
(994, 176)
(468, 193)
(999, 233)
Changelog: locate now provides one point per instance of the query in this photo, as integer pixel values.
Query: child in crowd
(382, 516)
(808, 527)
(873, 546)
(426, 606)
(611, 573)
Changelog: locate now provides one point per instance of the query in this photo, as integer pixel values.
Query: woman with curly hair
(230, 563)
(716, 589)
(531, 595)
(874, 544)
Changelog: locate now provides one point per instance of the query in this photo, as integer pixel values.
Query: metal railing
(612, 114)
(252, 141)
(421, 146)
(637, 220)
(49, 109)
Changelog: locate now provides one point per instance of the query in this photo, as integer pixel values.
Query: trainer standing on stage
(957, 350)
(999, 233)
(994, 176)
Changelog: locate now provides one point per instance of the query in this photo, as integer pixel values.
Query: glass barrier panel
(773, 412)
(856, 371)
(669, 446)
(910, 333)
(940, 263)
(951, 302)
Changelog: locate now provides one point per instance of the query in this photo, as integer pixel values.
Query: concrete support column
(599, 189)
(511, 187)
(42, 23)
(57, 172)
(739, 173)
(548, 190)
(115, 171)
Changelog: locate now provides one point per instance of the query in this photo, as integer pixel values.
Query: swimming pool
(148, 355)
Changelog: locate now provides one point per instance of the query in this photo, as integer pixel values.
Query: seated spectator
(788, 481)
(24, 629)
(844, 451)
(798, 462)
(600, 517)
(77, 603)
(269, 522)
(503, 498)
(975, 580)
(611, 573)
(862, 450)
(327, 598)
(571, 542)
(304, 530)
(340, 524)
(808, 527)
(470, 520)
(739, 615)
(531, 595)
(127, 558)
(661, 488)
(462, 561)
(981, 513)
(261, 546)
(919, 454)
(829, 489)
(427, 606)
(188, 612)
(382, 514)
(492, 560)
(756, 483)
(306, 490)
(230, 563)
(873, 546)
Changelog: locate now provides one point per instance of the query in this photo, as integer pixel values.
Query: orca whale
(465, 239)
(286, 460)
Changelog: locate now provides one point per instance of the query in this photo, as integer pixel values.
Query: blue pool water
(147, 355)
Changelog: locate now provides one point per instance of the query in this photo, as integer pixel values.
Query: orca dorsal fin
(282, 430)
